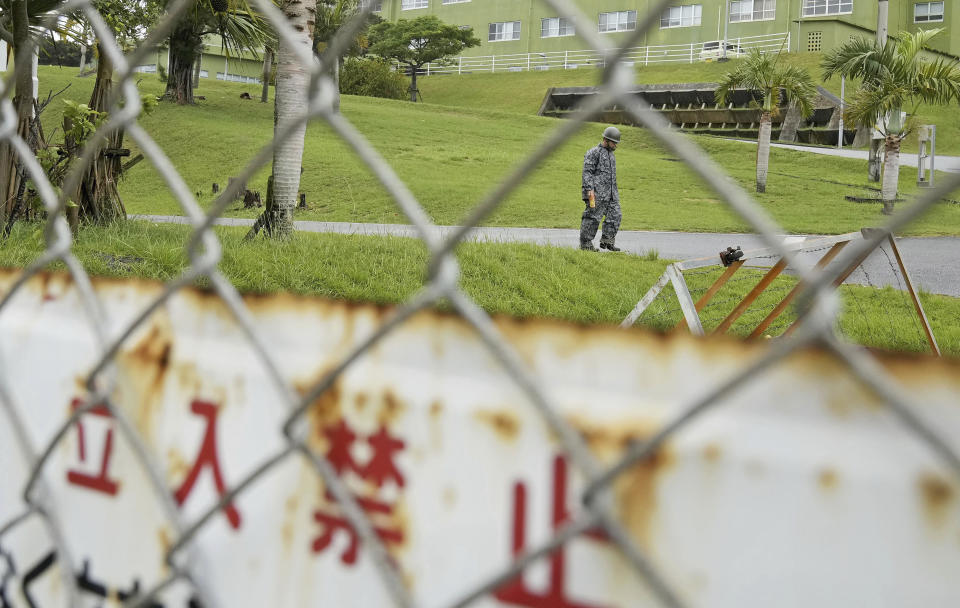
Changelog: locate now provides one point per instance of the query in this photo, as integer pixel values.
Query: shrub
(372, 78)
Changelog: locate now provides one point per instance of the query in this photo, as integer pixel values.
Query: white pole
(565, 55)
(3, 55)
(726, 21)
(843, 82)
(493, 63)
(460, 65)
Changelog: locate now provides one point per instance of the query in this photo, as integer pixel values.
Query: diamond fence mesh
(183, 565)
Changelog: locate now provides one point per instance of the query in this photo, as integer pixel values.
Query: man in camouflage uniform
(600, 193)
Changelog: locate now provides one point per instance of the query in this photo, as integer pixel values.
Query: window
(681, 16)
(555, 26)
(406, 5)
(506, 30)
(620, 21)
(150, 68)
(752, 10)
(237, 78)
(816, 8)
(927, 11)
(454, 1)
(375, 5)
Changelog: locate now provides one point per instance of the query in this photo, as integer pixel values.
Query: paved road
(932, 262)
(950, 164)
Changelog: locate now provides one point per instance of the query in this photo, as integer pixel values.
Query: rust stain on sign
(938, 496)
(635, 489)
(390, 409)
(828, 479)
(505, 424)
(146, 365)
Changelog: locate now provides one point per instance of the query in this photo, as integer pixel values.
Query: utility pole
(726, 20)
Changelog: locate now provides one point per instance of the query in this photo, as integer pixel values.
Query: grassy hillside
(452, 156)
(523, 92)
(514, 279)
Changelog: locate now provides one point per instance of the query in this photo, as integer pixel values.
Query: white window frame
(556, 27)
(929, 17)
(228, 77)
(685, 15)
(377, 5)
(616, 21)
(454, 1)
(409, 5)
(498, 32)
(824, 8)
(743, 11)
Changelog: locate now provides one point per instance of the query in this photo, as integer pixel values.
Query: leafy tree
(895, 78)
(417, 42)
(372, 77)
(761, 73)
(239, 27)
(20, 26)
(97, 197)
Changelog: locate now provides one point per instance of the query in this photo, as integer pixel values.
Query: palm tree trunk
(763, 151)
(98, 198)
(267, 69)
(290, 101)
(11, 174)
(184, 48)
(891, 173)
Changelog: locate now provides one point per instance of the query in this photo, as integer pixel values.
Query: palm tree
(239, 27)
(290, 104)
(761, 73)
(331, 16)
(895, 78)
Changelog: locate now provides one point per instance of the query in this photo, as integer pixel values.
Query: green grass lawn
(514, 279)
(450, 157)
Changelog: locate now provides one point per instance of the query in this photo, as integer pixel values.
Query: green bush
(372, 78)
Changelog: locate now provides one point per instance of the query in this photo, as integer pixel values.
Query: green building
(215, 62)
(531, 27)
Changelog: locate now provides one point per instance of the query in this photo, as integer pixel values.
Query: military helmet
(612, 133)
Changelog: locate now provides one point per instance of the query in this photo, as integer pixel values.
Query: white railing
(644, 55)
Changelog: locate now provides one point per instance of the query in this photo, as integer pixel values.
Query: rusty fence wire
(817, 322)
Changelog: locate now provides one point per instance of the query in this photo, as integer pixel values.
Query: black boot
(588, 246)
(609, 246)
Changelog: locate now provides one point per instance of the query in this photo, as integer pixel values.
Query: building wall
(832, 29)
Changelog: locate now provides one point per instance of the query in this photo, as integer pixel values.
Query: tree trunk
(83, 57)
(336, 84)
(267, 69)
(97, 196)
(891, 173)
(413, 83)
(290, 101)
(11, 172)
(196, 71)
(873, 160)
(184, 48)
(763, 152)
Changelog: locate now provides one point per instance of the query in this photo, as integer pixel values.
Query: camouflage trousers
(591, 221)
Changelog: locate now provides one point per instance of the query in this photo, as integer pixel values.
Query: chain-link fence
(104, 379)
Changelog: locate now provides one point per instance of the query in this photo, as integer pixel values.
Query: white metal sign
(798, 489)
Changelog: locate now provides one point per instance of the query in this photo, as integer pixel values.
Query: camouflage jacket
(600, 174)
